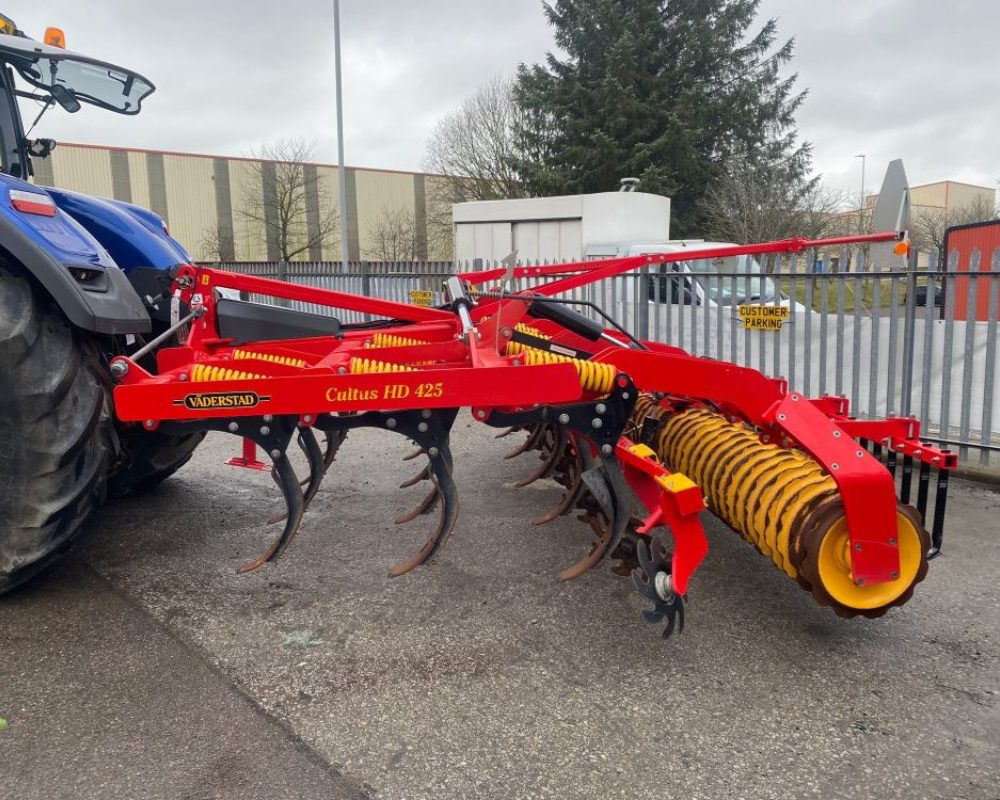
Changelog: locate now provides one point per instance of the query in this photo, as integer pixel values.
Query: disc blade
(643, 587)
(645, 561)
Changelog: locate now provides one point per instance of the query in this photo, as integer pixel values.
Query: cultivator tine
(418, 452)
(651, 579)
(940, 501)
(550, 455)
(923, 488)
(606, 485)
(425, 506)
(334, 439)
(534, 436)
(317, 470)
(423, 475)
(446, 492)
(593, 479)
(906, 483)
(286, 479)
(602, 528)
(314, 455)
(508, 432)
(572, 480)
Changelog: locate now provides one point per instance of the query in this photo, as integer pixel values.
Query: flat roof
(957, 183)
(242, 158)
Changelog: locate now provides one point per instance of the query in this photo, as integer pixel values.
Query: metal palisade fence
(898, 342)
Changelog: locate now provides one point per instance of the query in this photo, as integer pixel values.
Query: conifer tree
(669, 91)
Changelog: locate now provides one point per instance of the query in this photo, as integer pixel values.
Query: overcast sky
(914, 79)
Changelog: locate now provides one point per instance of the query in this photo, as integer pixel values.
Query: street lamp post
(861, 207)
(341, 170)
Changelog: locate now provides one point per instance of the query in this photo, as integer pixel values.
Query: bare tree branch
(279, 194)
(929, 224)
(474, 146)
(217, 244)
(393, 236)
(762, 202)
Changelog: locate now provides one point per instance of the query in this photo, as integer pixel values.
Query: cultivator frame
(521, 359)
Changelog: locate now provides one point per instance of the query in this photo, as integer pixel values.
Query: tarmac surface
(144, 667)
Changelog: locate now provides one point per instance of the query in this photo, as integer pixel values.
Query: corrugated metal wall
(190, 198)
(380, 194)
(207, 218)
(82, 170)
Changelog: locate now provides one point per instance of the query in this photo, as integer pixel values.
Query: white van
(700, 284)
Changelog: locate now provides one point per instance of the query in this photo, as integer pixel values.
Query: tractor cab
(53, 75)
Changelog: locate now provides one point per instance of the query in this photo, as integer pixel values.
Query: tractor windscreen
(90, 81)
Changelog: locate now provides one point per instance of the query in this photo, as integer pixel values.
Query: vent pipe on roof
(629, 184)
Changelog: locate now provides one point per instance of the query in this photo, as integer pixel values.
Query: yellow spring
(391, 340)
(513, 348)
(757, 489)
(786, 505)
(476, 292)
(594, 376)
(365, 366)
(202, 373)
(274, 359)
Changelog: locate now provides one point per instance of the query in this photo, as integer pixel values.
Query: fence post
(643, 287)
(366, 284)
(909, 341)
(283, 276)
(366, 279)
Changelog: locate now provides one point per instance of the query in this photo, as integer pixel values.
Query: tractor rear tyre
(56, 431)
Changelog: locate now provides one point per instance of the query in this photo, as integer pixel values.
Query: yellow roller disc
(771, 491)
(834, 566)
(785, 510)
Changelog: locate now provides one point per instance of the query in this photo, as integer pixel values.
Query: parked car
(714, 282)
(920, 296)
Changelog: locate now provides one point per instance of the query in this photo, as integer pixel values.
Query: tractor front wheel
(149, 458)
(56, 439)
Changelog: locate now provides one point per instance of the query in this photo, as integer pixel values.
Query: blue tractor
(82, 279)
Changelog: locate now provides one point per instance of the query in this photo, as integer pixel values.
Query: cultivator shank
(639, 435)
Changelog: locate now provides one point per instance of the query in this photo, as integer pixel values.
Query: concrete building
(950, 196)
(936, 206)
(203, 200)
(933, 208)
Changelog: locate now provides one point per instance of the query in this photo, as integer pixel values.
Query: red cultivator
(614, 419)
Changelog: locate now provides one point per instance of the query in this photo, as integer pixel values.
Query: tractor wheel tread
(56, 439)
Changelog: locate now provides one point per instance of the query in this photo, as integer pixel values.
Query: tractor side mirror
(65, 98)
(40, 148)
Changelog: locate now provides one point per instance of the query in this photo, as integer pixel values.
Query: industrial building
(203, 199)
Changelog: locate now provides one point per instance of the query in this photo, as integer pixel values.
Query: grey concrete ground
(147, 668)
